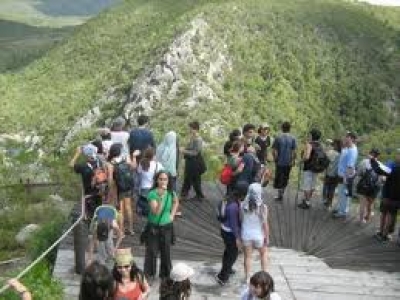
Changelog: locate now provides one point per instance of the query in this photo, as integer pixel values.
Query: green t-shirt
(167, 199)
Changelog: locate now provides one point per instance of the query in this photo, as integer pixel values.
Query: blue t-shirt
(284, 145)
(247, 172)
(140, 139)
(347, 159)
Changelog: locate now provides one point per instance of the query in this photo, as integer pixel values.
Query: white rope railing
(43, 255)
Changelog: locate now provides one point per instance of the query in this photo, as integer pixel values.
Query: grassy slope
(20, 44)
(313, 62)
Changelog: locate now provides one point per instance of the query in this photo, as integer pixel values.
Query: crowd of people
(126, 176)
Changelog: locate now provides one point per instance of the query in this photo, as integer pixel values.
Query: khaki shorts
(309, 181)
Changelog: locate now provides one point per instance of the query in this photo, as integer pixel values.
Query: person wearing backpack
(141, 138)
(284, 154)
(148, 167)
(119, 135)
(102, 228)
(120, 168)
(230, 233)
(254, 227)
(346, 172)
(263, 140)
(390, 195)
(87, 168)
(332, 179)
(234, 136)
(315, 161)
(368, 185)
(167, 154)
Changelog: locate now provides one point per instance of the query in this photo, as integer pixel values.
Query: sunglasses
(124, 267)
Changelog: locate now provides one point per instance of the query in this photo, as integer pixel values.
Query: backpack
(319, 161)
(226, 174)
(104, 216)
(100, 177)
(103, 230)
(123, 176)
(221, 210)
(368, 185)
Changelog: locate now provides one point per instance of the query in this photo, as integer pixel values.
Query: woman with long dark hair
(163, 204)
(130, 282)
(97, 283)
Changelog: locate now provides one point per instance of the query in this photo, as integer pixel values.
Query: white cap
(181, 272)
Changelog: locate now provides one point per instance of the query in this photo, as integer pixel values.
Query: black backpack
(319, 161)
(368, 185)
(103, 230)
(123, 176)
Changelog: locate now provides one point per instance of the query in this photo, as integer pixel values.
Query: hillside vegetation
(329, 63)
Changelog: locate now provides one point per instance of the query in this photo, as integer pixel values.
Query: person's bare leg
(248, 251)
(128, 211)
(363, 204)
(121, 216)
(264, 258)
(370, 203)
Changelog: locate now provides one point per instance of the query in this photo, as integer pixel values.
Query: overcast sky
(383, 2)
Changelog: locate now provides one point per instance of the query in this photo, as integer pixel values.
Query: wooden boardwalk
(328, 243)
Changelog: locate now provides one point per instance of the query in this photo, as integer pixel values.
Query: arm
(145, 287)
(20, 289)
(266, 225)
(156, 207)
(75, 157)
(197, 147)
(294, 154)
(120, 235)
(233, 215)
(175, 205)
(378, 168)
(307, 152)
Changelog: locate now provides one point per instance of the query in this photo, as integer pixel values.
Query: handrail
(63, 236)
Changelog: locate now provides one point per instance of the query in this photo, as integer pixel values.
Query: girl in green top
(163, 205)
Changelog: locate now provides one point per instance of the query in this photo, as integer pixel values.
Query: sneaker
(219, 280)
(129, 232)
(304, 205)
(278, 198)
(378, 235)
(232, 272)
(338, 216)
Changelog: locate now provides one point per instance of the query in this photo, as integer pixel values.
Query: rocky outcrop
(191, 71)
(26, 233)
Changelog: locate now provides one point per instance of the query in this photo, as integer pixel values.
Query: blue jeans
(344, 200)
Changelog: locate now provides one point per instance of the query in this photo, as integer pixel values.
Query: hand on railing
(20, 289)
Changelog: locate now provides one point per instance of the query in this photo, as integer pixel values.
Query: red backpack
(226, 174)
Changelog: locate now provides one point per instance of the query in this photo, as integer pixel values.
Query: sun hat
(89, 150)
(123, 257)
(181, 272)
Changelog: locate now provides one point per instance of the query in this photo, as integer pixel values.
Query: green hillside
(329, 63)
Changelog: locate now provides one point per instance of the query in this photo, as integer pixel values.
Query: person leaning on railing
(20, 289)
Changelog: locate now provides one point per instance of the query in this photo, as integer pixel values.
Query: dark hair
(375, 152)
(155, 181)
(142, 120)
(105, 136)
(236, 146)
(176, 289)
(97, 283)
(195, 125)
(352, 135)
(264, 280)
(99, 145)
(147, 157)
(248, 127)
(135, 273)
(337, 145)
(234, 135)
(115, 151)
(315, 134)
(286, 126)
(252, 204)
(261, 128)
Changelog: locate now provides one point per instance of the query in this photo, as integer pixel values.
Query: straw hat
(123, 257)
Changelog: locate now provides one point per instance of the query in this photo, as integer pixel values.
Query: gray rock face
(26, 233)
(192, 70)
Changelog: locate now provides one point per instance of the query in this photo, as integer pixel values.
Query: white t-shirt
(146, 177)
(122, 138)
(246, 295)
(252, 224)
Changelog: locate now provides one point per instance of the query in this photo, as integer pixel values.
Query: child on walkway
(261, 287)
